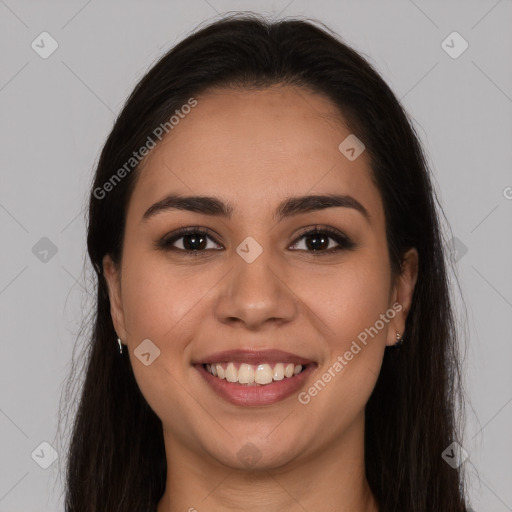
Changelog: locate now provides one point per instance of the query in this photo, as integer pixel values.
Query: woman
(273, 328)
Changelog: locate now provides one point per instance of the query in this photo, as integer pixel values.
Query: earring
(120, 345)
(399, 339)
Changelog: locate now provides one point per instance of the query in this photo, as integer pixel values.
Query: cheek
(350, 299)
(350, 304)
(354, 305)
(160, 304)
(156, 297)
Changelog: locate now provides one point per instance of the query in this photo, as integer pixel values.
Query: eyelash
(344, 243)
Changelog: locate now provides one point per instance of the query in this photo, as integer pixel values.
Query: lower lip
(242, 394)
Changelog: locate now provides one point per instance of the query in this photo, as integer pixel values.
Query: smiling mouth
(253, 374)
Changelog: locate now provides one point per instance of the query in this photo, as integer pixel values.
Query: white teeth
(263, 374)
(278, 371)
(288, 370)
(220, 371)
(254, 374)
(245, 374)
(231, 373)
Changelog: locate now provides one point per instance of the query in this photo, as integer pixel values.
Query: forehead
(254, 147)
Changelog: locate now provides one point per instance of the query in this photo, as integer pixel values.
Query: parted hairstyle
(116, 459)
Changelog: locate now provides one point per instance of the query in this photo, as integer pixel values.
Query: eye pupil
(317, 241)
(193, 242)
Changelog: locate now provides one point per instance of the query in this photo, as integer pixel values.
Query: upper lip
(255, 356)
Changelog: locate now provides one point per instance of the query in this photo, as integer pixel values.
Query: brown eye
(321, 240)
(194, 242)
(188, 241)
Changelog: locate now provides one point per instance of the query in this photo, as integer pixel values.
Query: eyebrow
(209, 205)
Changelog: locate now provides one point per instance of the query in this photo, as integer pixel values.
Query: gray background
(57, 112)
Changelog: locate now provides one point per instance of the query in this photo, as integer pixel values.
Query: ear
(113, 278)
(402, 295)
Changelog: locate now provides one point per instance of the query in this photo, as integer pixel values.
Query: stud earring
(120, 345)
(399, 339)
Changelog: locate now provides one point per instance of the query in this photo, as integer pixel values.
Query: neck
(331, 479)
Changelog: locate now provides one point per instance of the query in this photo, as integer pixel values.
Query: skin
(253, 149)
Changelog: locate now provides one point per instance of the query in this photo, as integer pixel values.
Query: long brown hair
(116, 459)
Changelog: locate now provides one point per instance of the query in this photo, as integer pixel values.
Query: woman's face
(254, 284)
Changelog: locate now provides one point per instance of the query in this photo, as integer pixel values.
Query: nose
(255, 294)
